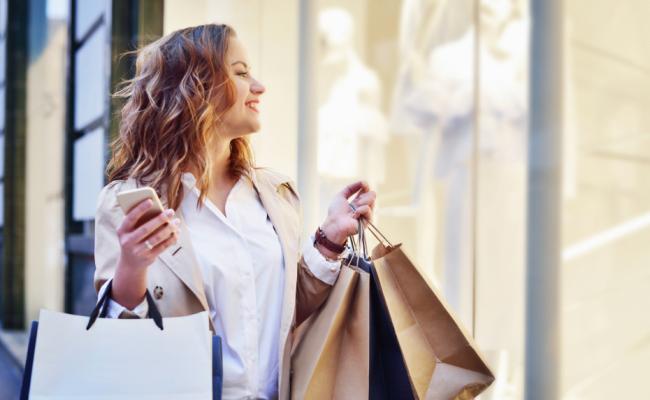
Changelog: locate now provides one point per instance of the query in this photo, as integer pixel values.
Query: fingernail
(169, 212)
(176, 221)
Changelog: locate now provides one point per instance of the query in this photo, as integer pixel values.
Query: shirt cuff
(326, 271)
(115, 309)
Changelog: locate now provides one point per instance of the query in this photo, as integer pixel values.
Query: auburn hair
(176, 99)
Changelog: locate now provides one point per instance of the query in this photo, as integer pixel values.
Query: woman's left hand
(342, 220)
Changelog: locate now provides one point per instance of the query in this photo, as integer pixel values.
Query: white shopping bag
(121, 358)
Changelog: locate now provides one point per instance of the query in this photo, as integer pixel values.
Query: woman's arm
(314, 280)
(124, 252)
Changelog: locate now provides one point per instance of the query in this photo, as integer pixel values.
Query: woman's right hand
(142, 243)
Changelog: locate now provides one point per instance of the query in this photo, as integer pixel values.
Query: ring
(149, 245)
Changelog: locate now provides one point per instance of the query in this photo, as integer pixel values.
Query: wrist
(328, 248)
(129, 285)
(128, 272)
(328, 254)
(333, 233)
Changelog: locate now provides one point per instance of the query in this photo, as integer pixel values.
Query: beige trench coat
(177, 272)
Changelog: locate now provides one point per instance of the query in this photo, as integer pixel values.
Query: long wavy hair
(179, 93)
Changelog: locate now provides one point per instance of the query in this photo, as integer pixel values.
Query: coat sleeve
(108, 218)
(107, 246)
(311, 291)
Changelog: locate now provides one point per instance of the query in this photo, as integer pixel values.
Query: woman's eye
(244, 74)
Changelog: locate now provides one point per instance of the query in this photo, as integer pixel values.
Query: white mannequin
(435, 99)
(352, 131)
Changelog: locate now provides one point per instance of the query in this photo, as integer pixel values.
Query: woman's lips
(252, 105)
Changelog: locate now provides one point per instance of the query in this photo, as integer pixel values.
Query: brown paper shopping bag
(442, 361)
(331, 359)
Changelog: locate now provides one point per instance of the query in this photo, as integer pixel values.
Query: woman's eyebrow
(240, 62)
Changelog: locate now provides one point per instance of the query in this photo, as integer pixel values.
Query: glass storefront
(427, 102)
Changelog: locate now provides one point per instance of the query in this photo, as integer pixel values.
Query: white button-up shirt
(243, 272)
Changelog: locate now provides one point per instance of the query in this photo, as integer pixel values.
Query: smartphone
(131, 198)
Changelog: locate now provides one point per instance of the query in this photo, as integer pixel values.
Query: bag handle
(372, 229)
(377, 234)
(101, 308)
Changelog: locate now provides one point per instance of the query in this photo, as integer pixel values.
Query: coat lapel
(278, 209)
(181, 259)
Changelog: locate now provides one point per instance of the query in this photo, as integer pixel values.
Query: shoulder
(278, 183)
(107, 199)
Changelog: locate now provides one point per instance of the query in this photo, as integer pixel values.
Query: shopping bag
(415, 349)
(332, 357)
(441, 359)
(389, 377)
(349, 349)
(72, 356)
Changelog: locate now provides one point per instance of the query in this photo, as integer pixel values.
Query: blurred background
(428, 100)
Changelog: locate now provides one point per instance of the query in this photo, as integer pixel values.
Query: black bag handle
(101, 308)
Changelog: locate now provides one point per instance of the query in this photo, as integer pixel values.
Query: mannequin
(435, 102)
(352, 131)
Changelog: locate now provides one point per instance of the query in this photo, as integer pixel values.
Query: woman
(229, 241)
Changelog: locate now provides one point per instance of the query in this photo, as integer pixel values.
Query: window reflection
(440, 105)
(352, 131)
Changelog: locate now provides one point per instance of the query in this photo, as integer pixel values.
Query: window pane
(3, 59)
(88, 174)
(3, 17)
(91, 93)
(501, 185)
(396, 108)
(87, 12)
(606, 214)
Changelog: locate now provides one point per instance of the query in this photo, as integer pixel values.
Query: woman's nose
(257, 87)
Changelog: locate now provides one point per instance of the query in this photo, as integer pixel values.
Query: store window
(426, 100)
(91, 97)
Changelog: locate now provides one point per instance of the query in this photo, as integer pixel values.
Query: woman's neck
(220, 161)
(219, 151)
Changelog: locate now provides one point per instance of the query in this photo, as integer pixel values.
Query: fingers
(160, 247)
(150, 226)
(367, 198)
(364, 212)
(353, 188)
(134, 215)
(164, 233)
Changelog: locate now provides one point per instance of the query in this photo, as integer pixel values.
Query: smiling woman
(182, 89)
(229, 241)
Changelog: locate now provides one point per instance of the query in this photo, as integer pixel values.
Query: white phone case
(130, 198)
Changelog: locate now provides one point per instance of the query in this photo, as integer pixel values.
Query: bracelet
(320, 238)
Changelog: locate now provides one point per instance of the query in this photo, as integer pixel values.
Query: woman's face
(243, 117)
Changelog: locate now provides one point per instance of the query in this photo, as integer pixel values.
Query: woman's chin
(255, 128)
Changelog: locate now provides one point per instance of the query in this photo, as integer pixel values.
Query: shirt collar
(188, 180)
